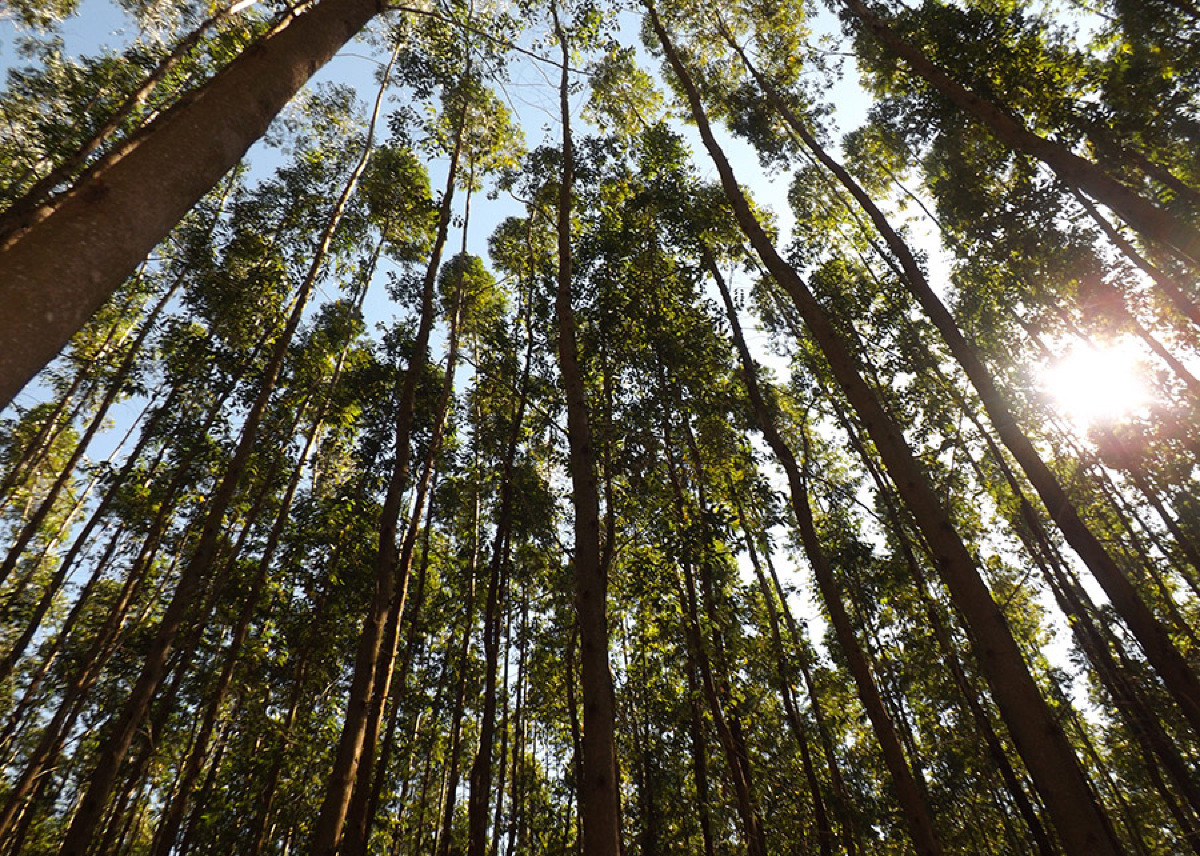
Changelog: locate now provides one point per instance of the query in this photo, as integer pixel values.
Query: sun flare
(1097, 385)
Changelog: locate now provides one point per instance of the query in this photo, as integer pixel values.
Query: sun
(1093, 385)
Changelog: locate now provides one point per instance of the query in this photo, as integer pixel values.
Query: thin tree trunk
(327, 831)
(942, 633)
(908, 790)
(1176, 295)
(1153, 222)
(481, 769)
(599, 801)
(825, 836)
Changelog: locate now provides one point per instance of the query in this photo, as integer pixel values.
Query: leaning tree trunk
(1151, 221)
(66, 260)
(909, 790)
(328, 828)
(1040, 740)
(1180, 680)
(193, 576)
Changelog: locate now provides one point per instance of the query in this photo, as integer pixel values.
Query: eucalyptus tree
(100, 230)
(1044, 746)
(599, 797)
(471, 131)
(197, 567)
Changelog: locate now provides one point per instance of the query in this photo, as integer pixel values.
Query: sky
(530, 92)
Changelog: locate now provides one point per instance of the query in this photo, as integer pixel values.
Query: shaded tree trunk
(599, 801)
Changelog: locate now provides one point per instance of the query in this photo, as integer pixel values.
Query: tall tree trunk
(61, 266)
(599, 801)
(736, 762)
(945, 641)
(1153, 222)
(327, 831)
(194, 573)
(1179, 678)
(173, 815)
(481, 769)
(1035, 728)
(1039, 738)
(909, 790)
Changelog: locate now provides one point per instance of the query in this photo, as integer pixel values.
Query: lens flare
(1097, 385)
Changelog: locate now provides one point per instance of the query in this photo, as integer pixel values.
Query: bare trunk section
(56, 272)
(1039, 738)
(599, 801)
(20, 212)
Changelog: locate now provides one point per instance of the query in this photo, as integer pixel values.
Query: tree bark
(1034, 726)
(58, 269)
(599, 801)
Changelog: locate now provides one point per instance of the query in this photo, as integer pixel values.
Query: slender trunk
(842, 800)
(825, 836)
(599, 802)
(1039, 738)
(266, 797)
(192, 578)
(699, 662)
(1153, 222)
(1180, 680)
(52, 423)
(60, 268)
(327, 831)
(446, 833)
(908, 789)
(65, 566)
(360, 811)
(173, 816)
(945, 641)
(400, 678)
(481, 769)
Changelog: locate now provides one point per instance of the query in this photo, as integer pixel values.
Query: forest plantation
(600, 427)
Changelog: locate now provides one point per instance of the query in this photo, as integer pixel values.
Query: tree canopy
(576, 435)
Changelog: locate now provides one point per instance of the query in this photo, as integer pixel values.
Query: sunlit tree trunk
(56, 270)
(1039, 739)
